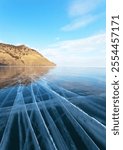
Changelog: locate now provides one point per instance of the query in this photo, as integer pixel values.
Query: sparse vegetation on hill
(21, 55)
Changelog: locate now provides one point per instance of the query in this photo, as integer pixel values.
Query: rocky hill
(21, 55)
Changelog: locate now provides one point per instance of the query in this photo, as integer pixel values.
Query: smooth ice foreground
(52, 109)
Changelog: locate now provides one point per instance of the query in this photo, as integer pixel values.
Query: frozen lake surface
(61, 108)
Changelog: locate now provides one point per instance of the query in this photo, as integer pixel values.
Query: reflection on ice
(14, 75)
(47, 113)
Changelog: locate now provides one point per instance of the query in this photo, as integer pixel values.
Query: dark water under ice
(59, 108)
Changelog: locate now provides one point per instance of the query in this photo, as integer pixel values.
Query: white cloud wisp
(85, 52)
(81, 13)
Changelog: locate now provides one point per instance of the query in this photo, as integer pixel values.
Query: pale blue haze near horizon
(68, 32)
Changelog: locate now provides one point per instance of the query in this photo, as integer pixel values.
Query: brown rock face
(11, 55)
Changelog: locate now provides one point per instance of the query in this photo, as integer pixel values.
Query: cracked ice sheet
(48, 112)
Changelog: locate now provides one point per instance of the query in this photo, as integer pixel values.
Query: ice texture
(46, 115)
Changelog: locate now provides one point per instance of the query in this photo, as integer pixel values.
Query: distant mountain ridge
(21, 55)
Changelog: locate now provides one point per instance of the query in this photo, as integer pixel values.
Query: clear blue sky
(57, 28)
